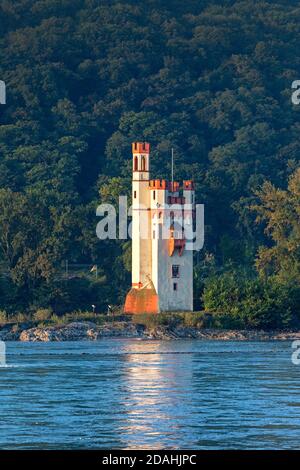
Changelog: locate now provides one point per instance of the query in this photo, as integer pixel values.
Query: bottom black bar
(136, 459)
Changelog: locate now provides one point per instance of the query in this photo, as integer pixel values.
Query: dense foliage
(211, 79)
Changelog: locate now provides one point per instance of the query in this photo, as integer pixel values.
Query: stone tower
(162, 267)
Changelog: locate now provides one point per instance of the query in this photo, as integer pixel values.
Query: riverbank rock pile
(81, 331)
(76, 331)
(10, 333)
(121, 329)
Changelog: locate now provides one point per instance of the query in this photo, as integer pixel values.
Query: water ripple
(132, 394)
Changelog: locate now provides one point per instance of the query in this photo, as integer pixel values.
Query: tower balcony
(176, 243)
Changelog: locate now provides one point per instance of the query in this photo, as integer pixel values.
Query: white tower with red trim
(141, 236)
(162, 267)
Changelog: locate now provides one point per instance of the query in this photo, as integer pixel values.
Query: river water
(135, 394)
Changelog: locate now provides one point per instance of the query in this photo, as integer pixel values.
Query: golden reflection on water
(155, 384)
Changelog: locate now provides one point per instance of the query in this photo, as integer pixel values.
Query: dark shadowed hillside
(211, 79)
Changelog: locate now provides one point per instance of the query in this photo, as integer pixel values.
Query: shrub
(227, 322)
(195, 319)
(42, 314)
(84, 316)
(56, 320)
(154, 320)
(3, 316)
(20, 318)
(246, 302)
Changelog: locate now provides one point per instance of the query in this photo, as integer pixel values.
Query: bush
(20, 318)
(3, 316)
(160, 319)
(227, 322)
(42, 314)
(195, 319)
(254, 303)
(56, 320)
(85, 316)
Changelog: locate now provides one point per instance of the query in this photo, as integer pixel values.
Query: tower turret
(140, 156)
(142, 298)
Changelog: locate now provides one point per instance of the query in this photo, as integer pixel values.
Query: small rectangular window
(153, 194)
(134, 194)
(175, 271)
(175, 286)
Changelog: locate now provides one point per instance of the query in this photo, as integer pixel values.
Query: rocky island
(87, 330)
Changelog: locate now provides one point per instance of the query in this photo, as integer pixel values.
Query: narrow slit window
(171, 220)
(154, 195)
(134, 194)
(175, 271)
(174, 286)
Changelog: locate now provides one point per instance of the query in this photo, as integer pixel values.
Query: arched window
(135, 166)
(143, 164)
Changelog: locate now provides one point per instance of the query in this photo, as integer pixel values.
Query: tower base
(141, 300)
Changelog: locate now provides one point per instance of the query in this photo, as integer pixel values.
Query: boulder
(40, 334)
(10, 333)
(75, 331)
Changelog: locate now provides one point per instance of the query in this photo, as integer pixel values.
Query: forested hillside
(210, 78)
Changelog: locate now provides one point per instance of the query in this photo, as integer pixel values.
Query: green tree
(279, 210)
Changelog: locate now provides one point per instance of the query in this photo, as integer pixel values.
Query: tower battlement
(140, 147)
(172, 187)
(158, 184)
(188, 185)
